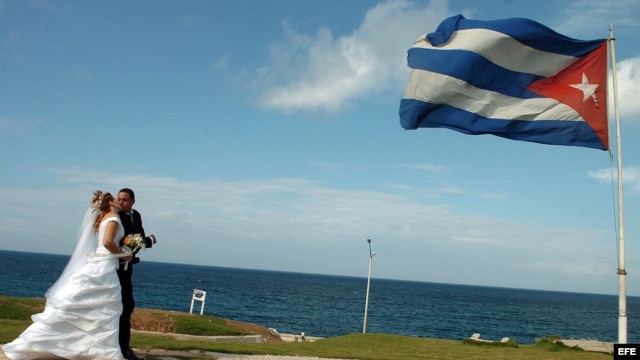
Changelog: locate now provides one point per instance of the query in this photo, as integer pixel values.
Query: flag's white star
(586, 88)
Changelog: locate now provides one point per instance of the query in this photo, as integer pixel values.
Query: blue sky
(265, 135)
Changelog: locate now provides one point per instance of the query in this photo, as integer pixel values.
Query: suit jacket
(133, 228)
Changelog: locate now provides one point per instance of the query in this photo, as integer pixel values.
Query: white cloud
(320, 72)
(329, 166)
(630, 174)
(595, 16)
(243, 223)
(493, 195)
(430, 168)
(453, 190)
(395, 186)
(628, 79)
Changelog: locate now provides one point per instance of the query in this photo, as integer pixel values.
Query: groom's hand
(150, 240)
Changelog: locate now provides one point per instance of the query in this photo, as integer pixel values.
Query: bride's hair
(102, 203)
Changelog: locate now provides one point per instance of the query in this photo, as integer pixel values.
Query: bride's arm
(109, 240)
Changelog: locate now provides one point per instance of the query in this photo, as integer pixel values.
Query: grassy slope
(15, 317)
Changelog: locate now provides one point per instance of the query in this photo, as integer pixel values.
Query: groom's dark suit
(131, 226)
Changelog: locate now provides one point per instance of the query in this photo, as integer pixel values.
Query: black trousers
(128, 304)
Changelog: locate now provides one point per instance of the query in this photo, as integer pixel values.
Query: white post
(200, 296)
(366, 302)
(622, 273)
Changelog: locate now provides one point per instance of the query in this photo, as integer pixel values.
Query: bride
(83, 307)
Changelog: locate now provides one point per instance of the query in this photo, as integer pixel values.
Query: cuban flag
(512, 78)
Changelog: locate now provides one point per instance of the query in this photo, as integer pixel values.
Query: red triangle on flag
(583, 87)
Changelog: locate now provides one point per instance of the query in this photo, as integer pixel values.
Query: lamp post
(366, 302)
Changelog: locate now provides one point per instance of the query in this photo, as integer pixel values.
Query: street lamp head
(373, 253)
(369, 241)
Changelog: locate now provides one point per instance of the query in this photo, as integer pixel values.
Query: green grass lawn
(15, 317)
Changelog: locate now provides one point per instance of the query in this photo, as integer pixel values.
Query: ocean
(326, 305)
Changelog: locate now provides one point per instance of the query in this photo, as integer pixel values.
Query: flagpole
(622, 274)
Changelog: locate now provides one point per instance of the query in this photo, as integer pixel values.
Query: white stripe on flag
(436, 88)
(513, 55)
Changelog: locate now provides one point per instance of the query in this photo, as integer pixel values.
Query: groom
(132, 223)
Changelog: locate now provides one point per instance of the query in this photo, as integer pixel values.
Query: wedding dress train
(81, 315)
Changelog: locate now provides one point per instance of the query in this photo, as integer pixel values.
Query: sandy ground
(590, 345)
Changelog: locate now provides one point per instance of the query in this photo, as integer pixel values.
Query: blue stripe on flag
(550, 132)
(526, 31)
(467, 65)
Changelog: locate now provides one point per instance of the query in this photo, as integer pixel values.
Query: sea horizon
(325, 305)
(346, 276)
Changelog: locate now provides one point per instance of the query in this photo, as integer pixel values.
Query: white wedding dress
(82, 312)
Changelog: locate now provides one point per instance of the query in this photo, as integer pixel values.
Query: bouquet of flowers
(134, 243)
